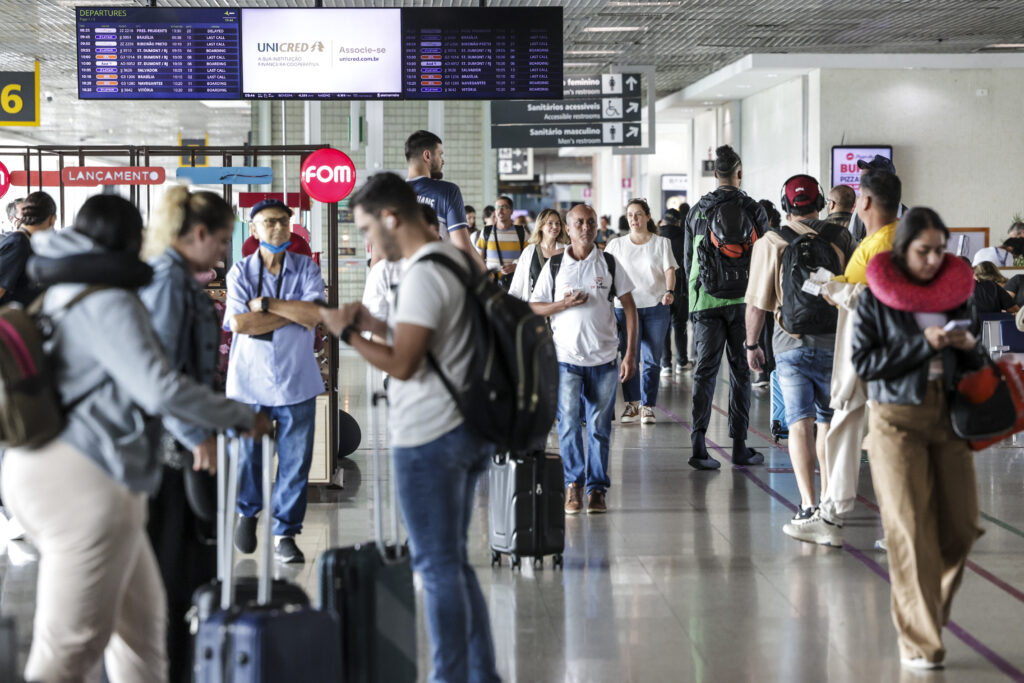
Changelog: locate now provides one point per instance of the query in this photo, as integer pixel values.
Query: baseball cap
(879, 163)
(269, 204)
(801, 191)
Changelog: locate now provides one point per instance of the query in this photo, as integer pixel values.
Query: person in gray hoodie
(82, 497)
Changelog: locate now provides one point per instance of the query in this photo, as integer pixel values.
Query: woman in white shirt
(549, 238)
(648, 260)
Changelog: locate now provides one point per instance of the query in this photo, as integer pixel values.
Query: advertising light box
(844, 162)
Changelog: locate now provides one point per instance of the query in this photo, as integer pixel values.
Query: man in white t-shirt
(437, 460)
(576, 289)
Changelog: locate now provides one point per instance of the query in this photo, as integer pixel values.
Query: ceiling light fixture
(582, 53)
(579, 65)
(612, 29)
(653, 3)
(1006, 46)
(226, 104)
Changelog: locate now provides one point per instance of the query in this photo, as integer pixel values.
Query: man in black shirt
(672, 229)
(38, 213)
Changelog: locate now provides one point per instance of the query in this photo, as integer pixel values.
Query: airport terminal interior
(689, 575)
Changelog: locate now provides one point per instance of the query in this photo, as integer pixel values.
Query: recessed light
(612, 29)
(579, 65)
(226, 104)
(1006, 46)
(743, 87)
(583, 53)
(771, 75)
(708, 102)
(718, 94)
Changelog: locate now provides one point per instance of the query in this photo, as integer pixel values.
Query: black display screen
(482, 53)
(158, 53)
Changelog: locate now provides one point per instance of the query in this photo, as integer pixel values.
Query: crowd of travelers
(848, 301)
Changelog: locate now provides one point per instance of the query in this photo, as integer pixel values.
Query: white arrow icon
(633, 132)
(633, 107)
(631, 82)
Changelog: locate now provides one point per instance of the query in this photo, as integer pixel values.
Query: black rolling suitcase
(273, 638)
(526, 515)
(369, 587)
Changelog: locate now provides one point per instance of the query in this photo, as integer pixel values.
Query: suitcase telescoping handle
(227, 502)
(378, 397)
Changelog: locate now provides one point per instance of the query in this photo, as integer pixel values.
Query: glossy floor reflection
(689, 576)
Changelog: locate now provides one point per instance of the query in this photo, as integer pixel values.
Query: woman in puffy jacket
(915, 334)
(82, 496)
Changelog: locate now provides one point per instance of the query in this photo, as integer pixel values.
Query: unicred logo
(328, 175)
(5, 180)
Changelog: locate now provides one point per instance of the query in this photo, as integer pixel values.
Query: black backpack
(723, 256)
(803, 312)
(512, 394)
(556, 264)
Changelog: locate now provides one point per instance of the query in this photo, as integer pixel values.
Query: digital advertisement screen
(482, 53)
(162, 53)
(844, 162)
(322, 53)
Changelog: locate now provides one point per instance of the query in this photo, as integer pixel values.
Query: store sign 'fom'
(328, 175)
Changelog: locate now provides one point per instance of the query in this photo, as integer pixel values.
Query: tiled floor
(690, 578)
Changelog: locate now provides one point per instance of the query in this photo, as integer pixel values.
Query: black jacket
(698, 223)
(891, 354)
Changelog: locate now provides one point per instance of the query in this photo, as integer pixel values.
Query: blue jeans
(597, 386)
(295, 425)
(805, 377)
(653, 327)
(435, 483)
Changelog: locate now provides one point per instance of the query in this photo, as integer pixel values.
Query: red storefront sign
(328, 175)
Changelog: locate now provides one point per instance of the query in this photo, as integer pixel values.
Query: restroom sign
(328, 175)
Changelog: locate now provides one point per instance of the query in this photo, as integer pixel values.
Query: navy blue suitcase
(369, 588)
(273, 640)
(780, 428)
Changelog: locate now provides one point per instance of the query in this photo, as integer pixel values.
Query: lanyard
(280, 280)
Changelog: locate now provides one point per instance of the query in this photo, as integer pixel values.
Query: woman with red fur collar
(915, 334)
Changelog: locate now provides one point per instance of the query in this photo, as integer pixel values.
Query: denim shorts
(805, 377)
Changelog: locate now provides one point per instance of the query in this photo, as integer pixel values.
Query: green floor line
(1004, 525)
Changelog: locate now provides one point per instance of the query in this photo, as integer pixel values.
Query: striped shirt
(506, 240)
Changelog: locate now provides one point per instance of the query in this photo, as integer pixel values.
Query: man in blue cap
(271, 310)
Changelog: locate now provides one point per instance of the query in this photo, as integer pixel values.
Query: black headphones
(819, 203)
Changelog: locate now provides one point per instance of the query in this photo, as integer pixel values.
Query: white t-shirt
(584, 335)
(646, 265)
(520, 287)
(996, 255)
(381, 283)
(431, 296)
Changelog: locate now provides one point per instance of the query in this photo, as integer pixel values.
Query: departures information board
(158, 53)
(421, 53)
(482, 53)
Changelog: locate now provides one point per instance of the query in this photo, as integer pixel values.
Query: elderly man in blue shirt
(271, 310)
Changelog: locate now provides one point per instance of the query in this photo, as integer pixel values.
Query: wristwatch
(750, 347)
(669, 291)
(347, 333)
(264, 304)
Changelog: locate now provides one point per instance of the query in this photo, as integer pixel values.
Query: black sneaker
(286, 551)
(245, 534)
(803, 514)
(752, 458)
(707, 463)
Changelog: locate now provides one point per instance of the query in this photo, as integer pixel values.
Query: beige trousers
(924, 478)
(99, 592)
(842, 461)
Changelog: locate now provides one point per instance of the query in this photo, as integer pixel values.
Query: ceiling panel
(684, 39)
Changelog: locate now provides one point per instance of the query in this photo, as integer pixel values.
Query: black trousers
(680, 310)
(715, 331)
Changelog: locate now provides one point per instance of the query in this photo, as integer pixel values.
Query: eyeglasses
(283, 221)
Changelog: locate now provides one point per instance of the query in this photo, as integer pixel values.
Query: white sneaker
(881, 545)
(631, 414)
(666, 371)
(920, 664)
(683, 367)
(815, 529)
(647, 415)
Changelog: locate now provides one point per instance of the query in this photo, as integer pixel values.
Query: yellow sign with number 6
(19, 98)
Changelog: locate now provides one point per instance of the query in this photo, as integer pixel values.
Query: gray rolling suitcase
(526, 513)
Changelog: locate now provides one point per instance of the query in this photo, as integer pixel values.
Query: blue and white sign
(226, 175)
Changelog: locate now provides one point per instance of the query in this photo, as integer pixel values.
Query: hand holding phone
(961, 324)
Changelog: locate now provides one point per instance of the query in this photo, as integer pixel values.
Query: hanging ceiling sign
(91, 176)
(226, 175)
(19, 98)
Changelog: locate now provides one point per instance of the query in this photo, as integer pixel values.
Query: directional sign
(584, 135)
(227, 175)
(515, 163)
(565, 111)
(19, 98)
(91, 176)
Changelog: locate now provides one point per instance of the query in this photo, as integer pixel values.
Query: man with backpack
(785, 279)
(438, 456)
(576, 289)
(720, 232)
(502, 243)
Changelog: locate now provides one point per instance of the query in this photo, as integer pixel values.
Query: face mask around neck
(275, 249)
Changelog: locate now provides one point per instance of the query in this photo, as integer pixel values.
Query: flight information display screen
(482, 53)
(423, 53)
(158, 53)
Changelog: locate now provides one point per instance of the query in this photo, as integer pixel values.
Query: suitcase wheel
(556, 561)
(495, 558)
(538, 563)
(515, 561)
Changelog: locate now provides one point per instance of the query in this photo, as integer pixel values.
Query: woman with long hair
(915, 334)
(548, 238)
(648, 260)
